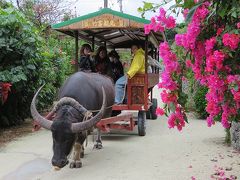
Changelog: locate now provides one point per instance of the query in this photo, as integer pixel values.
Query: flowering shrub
(5, 88)
(211, 45)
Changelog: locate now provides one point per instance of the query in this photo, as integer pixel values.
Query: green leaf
(188, 4)
(178, 1)
(31, 66)
(222, 11)
(140, 9)
(172, 107)
(148, 5)
(235, 87)
(185, 118)
(234, 14)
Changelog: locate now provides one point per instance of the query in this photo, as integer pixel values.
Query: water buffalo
(80, 92)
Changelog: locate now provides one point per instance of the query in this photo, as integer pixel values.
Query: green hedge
(200, 101)
(27, 61)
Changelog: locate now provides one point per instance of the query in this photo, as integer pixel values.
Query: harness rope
(87, 115)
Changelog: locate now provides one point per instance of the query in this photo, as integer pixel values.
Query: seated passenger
(86, 61)
(117, 66)
(102, 62)
(137, 66)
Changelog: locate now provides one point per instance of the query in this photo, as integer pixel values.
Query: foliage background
(29, 57)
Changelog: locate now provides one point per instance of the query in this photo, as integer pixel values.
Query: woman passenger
(86, 63)
(102, 62)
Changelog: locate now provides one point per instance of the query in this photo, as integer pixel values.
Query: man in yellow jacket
(137, 66)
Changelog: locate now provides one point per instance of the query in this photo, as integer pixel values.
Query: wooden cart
(118, 30)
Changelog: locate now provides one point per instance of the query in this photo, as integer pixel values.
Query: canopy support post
(155, 53)
(146, 53)
(76, 51)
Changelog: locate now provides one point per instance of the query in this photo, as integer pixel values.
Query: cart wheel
(148, 116)
(153, 109)
(141, 123)
(151, 113)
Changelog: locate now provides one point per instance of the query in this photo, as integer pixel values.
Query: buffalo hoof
(98, 145)
(76, 164)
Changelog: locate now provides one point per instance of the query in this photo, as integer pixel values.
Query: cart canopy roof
(116, 29)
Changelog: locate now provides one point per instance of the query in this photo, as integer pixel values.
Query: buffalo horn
(45, 123)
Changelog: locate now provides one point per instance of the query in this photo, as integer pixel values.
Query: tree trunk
(235, 135)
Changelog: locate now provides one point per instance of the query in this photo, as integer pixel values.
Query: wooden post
(146, 53)
(155, 57)
(105, 3)
(152, 51)
(76, 51)
(120, 4)
(156, 53)
(146, 75)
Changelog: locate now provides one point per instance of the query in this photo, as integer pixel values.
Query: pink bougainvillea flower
(233, 78)
(170, 22)
(237, 96)
(185, 13)
(188, 63)
(160, 22)
(167, 82)
(219, 31)
(168, 97)
(225, 116)
(209, 44)
(147, 29)
(193, 29)
(181, 40)
(210, 121)
(160, 111)
(238, 25)
(153, 20)
(215, 61)
(162, 15)
(211, 65)
(176, 119)
(200, 13)
(158, 28)
(231, 40)
(193, 178)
